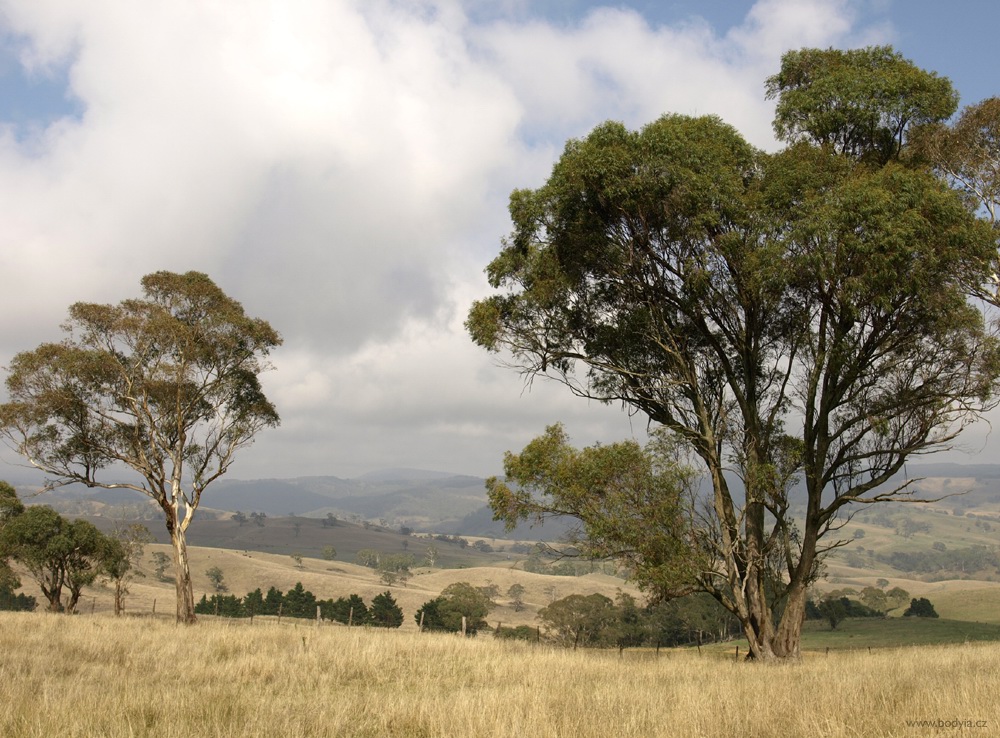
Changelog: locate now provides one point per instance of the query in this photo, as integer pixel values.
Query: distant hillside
(423, 501)
(441, 502)
(271, 496)
(948, 469)
(310, 536)
(405, 475)
(481, 523)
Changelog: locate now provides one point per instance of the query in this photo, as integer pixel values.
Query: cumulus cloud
(342, 168)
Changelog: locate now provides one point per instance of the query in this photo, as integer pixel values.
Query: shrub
(384, 612)
(920, 607)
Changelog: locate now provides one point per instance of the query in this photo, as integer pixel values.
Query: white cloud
(342, 168)
(779, 24)
(429, 395)
(320, 148)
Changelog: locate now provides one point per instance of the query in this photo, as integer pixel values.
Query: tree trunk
(767, 642)
(759, 634)
(789, 633)
(55, 599)
(52, 590)
(182, 575)
(788, 637)
(119, 597)
(74, 598)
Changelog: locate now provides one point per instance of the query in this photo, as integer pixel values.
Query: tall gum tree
(166, 386)
(801, 315)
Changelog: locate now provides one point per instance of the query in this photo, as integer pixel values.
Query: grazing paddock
(99, 676)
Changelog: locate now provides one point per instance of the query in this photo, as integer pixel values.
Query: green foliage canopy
(10, 507)
(579, 619)
(861, 102)
(966, 154)
(456, 601)
(633, 502)
(10, 503)
(58, 553)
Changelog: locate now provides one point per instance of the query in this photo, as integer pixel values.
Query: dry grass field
(99, 676)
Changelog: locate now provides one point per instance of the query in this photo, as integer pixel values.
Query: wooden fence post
(350, 617)
(317, 616)
(463, 625)
(421, 627)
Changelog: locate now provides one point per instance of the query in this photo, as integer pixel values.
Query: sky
(342, 168)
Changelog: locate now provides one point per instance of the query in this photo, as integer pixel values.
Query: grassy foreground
(98, 676)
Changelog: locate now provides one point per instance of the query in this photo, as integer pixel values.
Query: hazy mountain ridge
(443, 502)
(426, 501)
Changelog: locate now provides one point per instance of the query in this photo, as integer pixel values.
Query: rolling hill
(946, 550)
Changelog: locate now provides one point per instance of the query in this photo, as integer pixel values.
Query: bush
(227, 606)
(384, 612)
(299, 602)
(520, 633)
(833, 610)
(920, 607)
(350, 609)
(18, 602)
(429, 615)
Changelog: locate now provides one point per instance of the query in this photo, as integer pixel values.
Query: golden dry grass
(100, 676)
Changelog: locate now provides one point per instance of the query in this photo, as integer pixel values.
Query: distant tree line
(871, 602)
(837, 609)
(445, 538)
(392, 568)
(298, 602)
(565, 564)
(597, 621)
(969, 559)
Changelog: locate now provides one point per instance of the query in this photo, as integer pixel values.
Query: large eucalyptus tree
(801, 314)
